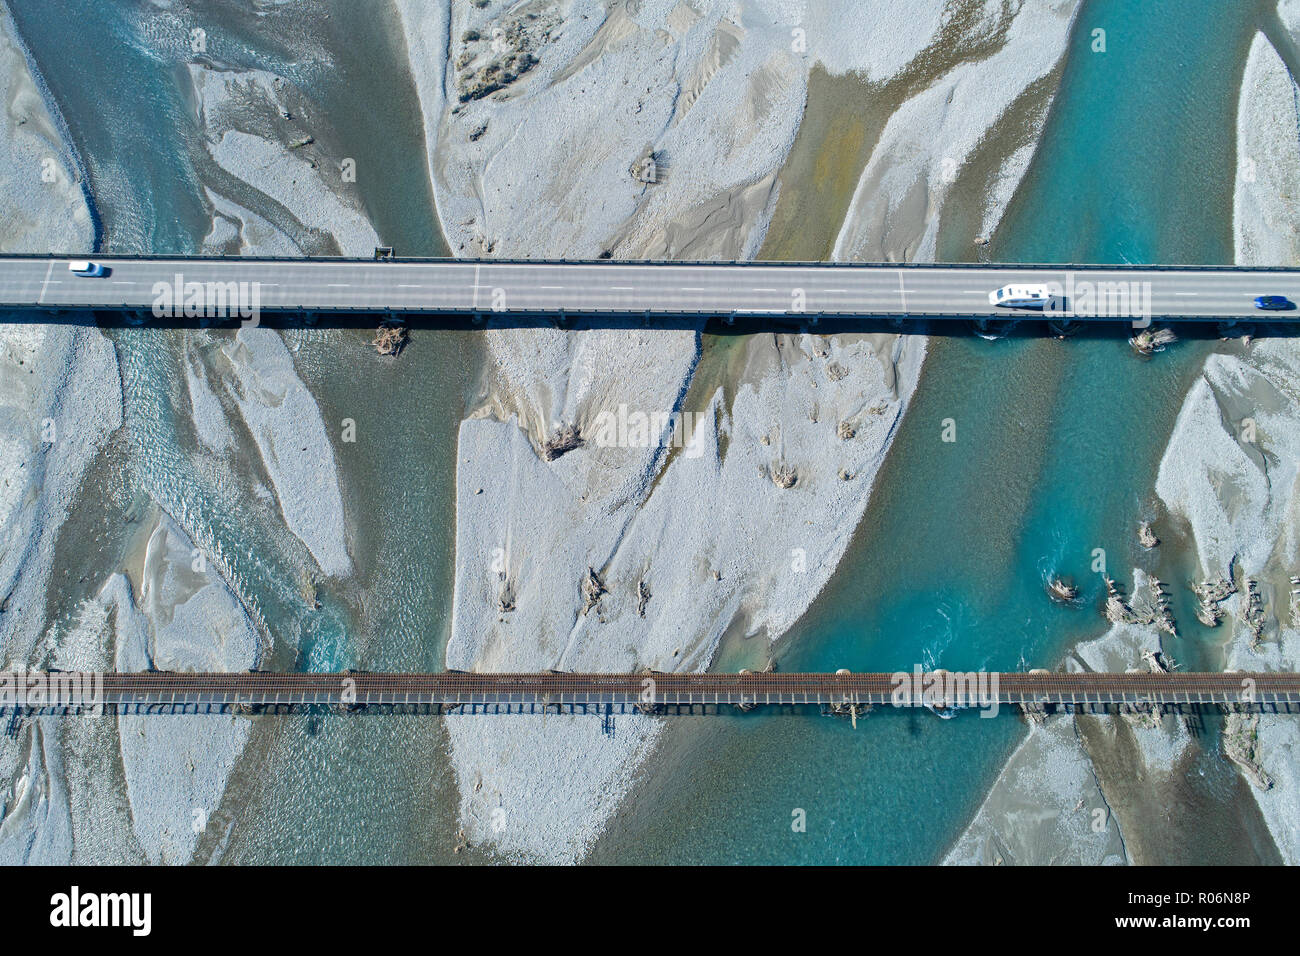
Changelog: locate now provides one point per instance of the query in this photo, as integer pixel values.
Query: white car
(84, 267)
(1021, 296)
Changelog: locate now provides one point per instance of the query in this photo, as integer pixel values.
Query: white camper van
(1021, 296)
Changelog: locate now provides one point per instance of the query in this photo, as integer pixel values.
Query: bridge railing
(758, 263)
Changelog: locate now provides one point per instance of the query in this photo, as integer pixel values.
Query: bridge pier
(1034, 713)
(1062, 327)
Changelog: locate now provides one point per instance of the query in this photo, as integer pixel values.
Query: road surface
(616, 288)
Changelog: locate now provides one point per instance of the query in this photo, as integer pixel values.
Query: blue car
(1274, 303)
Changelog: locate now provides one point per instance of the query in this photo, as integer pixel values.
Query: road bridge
(161, 287)
(158, 691)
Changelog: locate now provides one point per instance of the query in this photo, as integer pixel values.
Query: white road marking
(620, 288)
(1186, 293)
(551, 288)
(46, 284)
(339, 285)
(692, 288)
(766, 290)
(477, 266)
(902, 291)
(407, 285)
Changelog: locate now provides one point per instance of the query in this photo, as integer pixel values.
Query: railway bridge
(169, 692)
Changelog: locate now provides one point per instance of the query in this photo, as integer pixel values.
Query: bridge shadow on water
(1020, 327)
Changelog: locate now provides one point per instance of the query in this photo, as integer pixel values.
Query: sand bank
(44, 205)
(706, 541)
(1239, 498)
(59, 402)
(291, 191)
(70, 797)
(58, 385)
(172, 773)
(285, 194)
(927, 142)
(1044, 809)
(1266, 207)
(187, 618)
(295, 446)
(660, 132)
(60, 399)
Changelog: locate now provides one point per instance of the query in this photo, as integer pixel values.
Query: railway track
(158, 690)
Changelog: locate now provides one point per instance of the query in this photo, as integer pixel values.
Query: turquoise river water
(1057, 447)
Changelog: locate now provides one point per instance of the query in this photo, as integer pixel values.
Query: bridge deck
(140, 690)
(621, 288)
